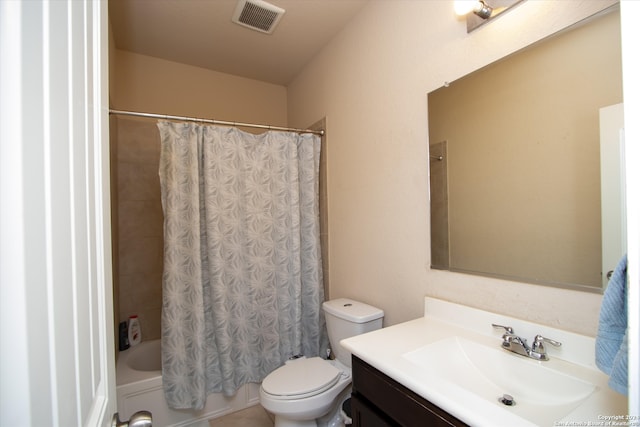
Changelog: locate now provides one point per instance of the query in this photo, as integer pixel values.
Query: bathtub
(139, 387)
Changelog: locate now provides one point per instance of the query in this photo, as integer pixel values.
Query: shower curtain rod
(213, 122)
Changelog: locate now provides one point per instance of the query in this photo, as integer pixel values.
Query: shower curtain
(242, 280)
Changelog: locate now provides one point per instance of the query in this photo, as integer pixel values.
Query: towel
(611, 341)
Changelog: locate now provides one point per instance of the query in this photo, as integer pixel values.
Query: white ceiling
(200, 33)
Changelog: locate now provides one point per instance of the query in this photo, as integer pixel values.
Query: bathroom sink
(541, 394)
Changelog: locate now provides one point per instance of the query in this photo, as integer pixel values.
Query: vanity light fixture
(483, 11)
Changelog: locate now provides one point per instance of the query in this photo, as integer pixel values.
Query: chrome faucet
(518, 345)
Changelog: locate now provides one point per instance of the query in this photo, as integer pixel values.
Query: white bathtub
(139, 387)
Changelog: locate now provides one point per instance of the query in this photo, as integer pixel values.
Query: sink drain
(507, 400)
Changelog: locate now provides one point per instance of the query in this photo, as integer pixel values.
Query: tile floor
(254, 416)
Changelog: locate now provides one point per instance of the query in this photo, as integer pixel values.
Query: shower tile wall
(139, 219)
(324, 209)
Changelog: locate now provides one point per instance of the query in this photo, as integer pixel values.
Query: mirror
(515, 160)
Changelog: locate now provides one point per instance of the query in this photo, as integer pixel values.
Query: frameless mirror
(515, 162)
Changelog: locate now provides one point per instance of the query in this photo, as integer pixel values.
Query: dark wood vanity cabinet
(380, 401)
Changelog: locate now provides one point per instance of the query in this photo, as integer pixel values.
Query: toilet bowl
(303, 390)
(308, 392)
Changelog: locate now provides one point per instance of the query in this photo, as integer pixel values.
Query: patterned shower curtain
(242, 282)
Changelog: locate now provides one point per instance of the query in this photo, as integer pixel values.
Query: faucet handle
(509, 329)
(538, 344)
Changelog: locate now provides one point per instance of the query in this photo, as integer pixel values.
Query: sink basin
(542, 395)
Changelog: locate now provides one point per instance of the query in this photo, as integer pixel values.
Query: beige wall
(142, 83)
(523, 158)
(147, 84)
(371, 83)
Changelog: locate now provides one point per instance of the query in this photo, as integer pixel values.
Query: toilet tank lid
(351, 310)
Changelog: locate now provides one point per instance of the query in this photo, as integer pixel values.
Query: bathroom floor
(254, 416)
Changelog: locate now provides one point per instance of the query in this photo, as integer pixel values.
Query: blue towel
(611, 341)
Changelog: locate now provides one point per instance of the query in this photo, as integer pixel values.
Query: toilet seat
(301, 378)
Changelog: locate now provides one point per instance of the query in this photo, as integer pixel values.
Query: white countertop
(384, 350)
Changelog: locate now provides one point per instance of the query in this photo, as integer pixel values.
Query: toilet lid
(301, 378)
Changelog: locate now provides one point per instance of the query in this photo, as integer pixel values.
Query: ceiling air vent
(257, 15)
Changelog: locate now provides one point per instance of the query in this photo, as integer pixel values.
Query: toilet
(308, 392)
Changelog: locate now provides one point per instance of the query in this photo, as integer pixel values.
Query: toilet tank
(346, 318)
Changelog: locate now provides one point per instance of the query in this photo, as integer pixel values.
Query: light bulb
(463, 7)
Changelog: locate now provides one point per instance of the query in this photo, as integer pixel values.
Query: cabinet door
(364, 415)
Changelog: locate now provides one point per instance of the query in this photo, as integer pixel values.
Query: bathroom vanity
(379, 400)
(448, 368)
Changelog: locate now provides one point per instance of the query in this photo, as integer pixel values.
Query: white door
(612, 188)
(57, 357)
